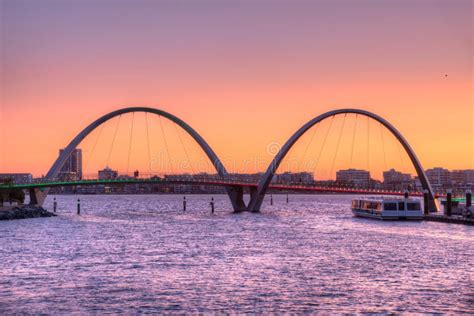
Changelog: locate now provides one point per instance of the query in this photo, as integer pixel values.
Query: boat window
(390, 206)
(401, 206)
(413, 206)
(355, 203)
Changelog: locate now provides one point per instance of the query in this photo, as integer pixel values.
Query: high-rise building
(353, 176)
(439, 177)
(72, 169)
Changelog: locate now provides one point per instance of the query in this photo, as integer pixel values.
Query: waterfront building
(193, 188)
(68, 176)
(462, 177)
(353, 176)
(295, 177)
(375, 184)
(197, 189)
(396, 180)
(253, 177)
(72, 168)
(439, 177)
(418, 185)
(18, 178)
(107, 174)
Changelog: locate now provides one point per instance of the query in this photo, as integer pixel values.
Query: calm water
(141, 253)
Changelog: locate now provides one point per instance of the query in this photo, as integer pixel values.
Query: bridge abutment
(236, 194)
(37, 196)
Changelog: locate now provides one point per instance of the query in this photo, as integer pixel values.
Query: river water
(141, 253)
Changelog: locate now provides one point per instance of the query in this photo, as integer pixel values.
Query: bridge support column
(236, 195)
(37, 196)
(253, 196)
(33, 199)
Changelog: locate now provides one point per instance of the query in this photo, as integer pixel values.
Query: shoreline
(23, 212)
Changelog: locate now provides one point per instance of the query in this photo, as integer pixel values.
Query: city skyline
(438, 176)
(74, 166)
(238, 111)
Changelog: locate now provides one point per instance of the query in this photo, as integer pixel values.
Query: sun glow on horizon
(244, 76)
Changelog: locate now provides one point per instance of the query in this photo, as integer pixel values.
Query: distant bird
(446, 75)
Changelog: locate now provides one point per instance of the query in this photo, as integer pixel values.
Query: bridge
(234, 189)
(220, 183)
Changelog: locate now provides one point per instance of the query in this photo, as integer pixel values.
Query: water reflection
(143, 253)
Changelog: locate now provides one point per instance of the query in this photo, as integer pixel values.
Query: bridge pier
(37, 196)
(236, 194)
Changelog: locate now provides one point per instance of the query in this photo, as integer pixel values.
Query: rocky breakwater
(24, 211)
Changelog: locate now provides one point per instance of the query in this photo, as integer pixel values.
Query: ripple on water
(127, 254)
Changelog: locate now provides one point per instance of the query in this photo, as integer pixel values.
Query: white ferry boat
(388, 209)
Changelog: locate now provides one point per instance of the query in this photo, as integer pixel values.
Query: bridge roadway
(223, 183)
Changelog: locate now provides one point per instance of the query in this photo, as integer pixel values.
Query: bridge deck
(224, 183)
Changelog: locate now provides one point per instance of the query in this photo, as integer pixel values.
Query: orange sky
(243, 74)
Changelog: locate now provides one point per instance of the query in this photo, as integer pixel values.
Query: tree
(16, 195)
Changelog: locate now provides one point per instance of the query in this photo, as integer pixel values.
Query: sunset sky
(244, 74)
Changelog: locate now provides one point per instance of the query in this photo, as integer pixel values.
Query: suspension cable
(148, 142)
(383, 147)
(400, 155)
(113, 140)
(368, 143)
(337, 145)
(322, 145)
(93, 146)
(130, 141)
(184, 147)
(310, 142)
(353, 140)
(166, 144)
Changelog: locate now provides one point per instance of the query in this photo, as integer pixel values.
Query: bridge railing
(216, 180)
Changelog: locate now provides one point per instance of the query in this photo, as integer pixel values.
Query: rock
(25, 211)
